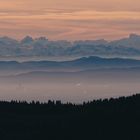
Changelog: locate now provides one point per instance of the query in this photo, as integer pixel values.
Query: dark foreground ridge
(108, 119)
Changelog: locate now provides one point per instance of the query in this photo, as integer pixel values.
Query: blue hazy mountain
(41, 46)
(84, 63)
(95, 76)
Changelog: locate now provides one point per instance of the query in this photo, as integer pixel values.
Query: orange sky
(70, 19)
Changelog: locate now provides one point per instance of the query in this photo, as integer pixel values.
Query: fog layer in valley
(70, 86)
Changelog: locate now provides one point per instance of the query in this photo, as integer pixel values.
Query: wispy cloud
(76, 19)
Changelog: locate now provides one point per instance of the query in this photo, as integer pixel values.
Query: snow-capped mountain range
(41, 46)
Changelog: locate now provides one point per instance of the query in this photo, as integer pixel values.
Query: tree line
(110, 119)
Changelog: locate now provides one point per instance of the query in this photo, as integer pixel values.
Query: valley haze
(78, 80)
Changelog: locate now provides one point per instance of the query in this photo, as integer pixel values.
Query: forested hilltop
(99, 119)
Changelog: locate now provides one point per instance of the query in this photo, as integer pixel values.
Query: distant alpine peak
(27, 39)
(133, 36)
(42, 38)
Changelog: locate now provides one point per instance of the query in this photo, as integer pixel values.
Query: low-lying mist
(73, 87)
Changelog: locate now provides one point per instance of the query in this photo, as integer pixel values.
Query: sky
(70, 19)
